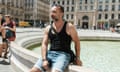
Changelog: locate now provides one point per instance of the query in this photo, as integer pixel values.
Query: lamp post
(75, 15)
(35, 12)
(34, 19)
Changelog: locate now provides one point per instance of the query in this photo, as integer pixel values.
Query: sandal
(5, 57)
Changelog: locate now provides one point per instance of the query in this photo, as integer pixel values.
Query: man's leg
(37, 67)
(34, 69)
(61, 62)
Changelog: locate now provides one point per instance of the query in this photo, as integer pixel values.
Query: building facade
(89, 14)
(37, 11)
(13, 7)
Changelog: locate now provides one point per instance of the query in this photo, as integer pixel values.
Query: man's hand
(78, 62)
(45, 65)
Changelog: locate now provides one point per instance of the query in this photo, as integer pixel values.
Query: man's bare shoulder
(70, 26)
(47, 28)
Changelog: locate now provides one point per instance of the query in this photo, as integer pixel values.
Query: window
(112, 17)
(58, 2)
(71, 16)
(85, 7)
(3, 2)
(62, 2)
(106, 1)
(118, 16)
(100, 8)
(67, 8)
(119, 8)
(72, 9)
(3, 10)
(100, 1)
(72, 1)
(113, 1)
(99, 16)
(106, 7)
(106, 16)
(86, 1)
(91, 1)
(67, 16)
(91, 7)
(80, 1)
(113, 7)
(17, 4)
(32, 3)
(80, 7)
(67, 2)
(53, 2)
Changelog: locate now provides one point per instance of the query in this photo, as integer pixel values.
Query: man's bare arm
(75, 38)
(45, 43)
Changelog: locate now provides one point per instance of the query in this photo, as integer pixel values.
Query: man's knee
(34, 69)
(56, 71)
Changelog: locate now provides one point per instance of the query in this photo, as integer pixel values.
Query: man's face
(55, 13)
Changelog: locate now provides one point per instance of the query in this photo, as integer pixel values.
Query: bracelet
(44, 59)
(77, 57)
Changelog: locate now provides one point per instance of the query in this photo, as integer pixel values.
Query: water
(102, 56)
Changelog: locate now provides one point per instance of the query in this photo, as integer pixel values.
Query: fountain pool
(102, 56)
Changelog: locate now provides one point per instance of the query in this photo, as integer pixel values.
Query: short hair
(59, 6)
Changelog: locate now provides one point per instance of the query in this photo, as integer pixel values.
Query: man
(60, 34)
(8, 30)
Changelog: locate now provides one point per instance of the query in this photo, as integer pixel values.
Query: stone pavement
(5, 66)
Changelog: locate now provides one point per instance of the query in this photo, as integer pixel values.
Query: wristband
(77, 57)
(44, 59)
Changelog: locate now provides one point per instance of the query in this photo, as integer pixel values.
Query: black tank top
(59, 41)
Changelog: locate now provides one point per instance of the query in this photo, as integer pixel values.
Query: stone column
(95, 16)
(75, 13)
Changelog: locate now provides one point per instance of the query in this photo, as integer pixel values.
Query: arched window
(85, 18)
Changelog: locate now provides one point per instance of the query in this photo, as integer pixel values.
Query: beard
(54, 18)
